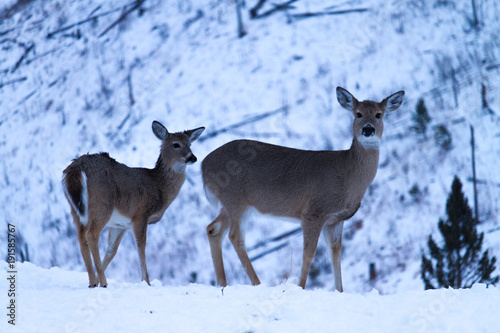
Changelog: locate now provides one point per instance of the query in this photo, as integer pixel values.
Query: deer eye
(176, 145)
(378, 115)
(359, 115)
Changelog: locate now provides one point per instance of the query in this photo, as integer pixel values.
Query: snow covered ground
(89, 89)
(56, 300)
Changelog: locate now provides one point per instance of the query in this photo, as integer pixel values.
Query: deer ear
(346, 99)
(159, 130)
(393, 102)
(195, 133)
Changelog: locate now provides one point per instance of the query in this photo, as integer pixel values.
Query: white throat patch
(372, 142)
(179, 167)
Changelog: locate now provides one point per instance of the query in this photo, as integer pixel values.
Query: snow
(56, 300)
(73, 96)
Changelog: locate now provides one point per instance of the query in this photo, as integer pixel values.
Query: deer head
(368, 123)
(175, 149)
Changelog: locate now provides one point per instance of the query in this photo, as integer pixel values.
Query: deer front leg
(114, 239)
(311, 231)
(238, 242)
(333, 236)
(216, 232)
(140, 229)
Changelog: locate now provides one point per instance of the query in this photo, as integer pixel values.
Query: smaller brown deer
(319, 188)
(103, 192)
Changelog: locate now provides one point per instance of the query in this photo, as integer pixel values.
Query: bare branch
(241, 28)
(26, 51)
(137, 4)
(265, 253)
(91, 18)
(130, 89)
(28, 61)
(21, 79)
(27, 97)
(275, 239)
(2, 33)
(335, 12)
(283, 6)
(255, 9)
(250, 120)
(199, 15)
(95, 10)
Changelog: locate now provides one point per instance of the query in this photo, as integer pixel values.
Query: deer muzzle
(368, 131)
(191, 159)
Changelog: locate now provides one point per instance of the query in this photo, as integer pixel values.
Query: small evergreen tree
(458, 263)
(443, 137)
(421, 118)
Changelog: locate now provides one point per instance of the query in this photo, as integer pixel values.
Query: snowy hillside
(54, 301)
(72, 81)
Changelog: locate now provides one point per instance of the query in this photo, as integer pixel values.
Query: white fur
(253, 212)
(212, 199)
(179, 167)
(85, 199)
(119, 221)
(369, 142)
(84, 219)
(114, 234)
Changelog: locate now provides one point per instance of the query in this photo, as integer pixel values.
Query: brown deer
(103, 192)
(320, 188)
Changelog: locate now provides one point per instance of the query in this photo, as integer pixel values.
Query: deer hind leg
(93, 234)
(333, 235)
(114, 239)
(140, 232)
(84, 249)
(216, 232)
(236, 238)
(311, 231)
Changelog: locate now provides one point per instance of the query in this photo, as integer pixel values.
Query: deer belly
(118, 220)
(255, 213)
(155, 217)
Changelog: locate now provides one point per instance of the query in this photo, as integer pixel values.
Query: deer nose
(191, 159)
(368, 130)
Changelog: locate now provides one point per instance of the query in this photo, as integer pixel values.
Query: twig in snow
(283, 6)
(250, 120)
(255, 9)
(493, 230)
(335, 12)
(95, 10)
(241, 28)
(27, 97)
(21, 79)
(265, 253)
(483, 182)
(130, 89)
(6, 31)
(28, 61)
(275, 239)
(53, 83)
(190, 21)
(137, 4)
(492, 66)
(26, 51)
(91, 18)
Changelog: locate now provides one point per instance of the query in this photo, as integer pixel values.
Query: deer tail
(75, 188)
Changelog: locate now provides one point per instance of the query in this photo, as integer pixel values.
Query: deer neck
(364, 161)
(169, 170)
